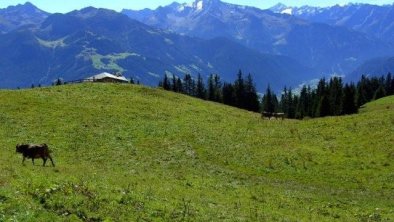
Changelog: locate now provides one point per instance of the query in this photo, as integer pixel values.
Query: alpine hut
(107, 77)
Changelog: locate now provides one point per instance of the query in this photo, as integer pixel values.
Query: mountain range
(376, 21)
(81, 43)
(325, 47)
(280, 46)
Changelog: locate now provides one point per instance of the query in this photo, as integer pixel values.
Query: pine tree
(59, 82)
(312, 99)
(193, 90)
(335, 96)
(179, 85)
(217, 88)
(268, 104)
(291, 109)
(303, 103)
(323, 107)
(374, 84)
(321, 92)
(275, 102)
(214, 88)
(200, 88)
(211, 88)
(349, 105)
(362, 91)
(284, 101)
(174, 83)
(239, 86)
(391, 91)
(228, 93)
(295, 102)
(252, 99)
(380, 93)
(188, 84)
(321, 88)
(389, 84)
(166, 83)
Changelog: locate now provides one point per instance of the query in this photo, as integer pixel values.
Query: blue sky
(69, 5)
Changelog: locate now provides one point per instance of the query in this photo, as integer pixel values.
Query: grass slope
(128, 153)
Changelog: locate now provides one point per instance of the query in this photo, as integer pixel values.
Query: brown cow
(33, 151)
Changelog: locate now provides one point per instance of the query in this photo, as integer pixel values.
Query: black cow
(279, 115)
(266, 114)
(269, 115)
(33, 151)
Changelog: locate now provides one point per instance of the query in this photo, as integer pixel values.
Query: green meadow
(132, 153)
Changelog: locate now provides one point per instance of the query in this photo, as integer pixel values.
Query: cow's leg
(32, 160)
(44, 161)
(50, 158)
(23, 160)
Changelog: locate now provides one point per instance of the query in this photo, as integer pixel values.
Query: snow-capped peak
(278, 7)
(282, 9)
(181, 8)
(288, 11)
(200, 5)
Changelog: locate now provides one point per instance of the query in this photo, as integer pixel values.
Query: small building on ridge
(107, 77)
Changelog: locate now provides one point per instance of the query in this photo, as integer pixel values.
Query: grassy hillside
(128, 153)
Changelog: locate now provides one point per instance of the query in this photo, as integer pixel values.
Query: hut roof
(107, 75)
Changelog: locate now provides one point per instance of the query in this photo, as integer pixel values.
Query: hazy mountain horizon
(119, 5)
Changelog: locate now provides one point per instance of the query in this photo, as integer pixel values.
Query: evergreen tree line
(241, 93)
(329, 98)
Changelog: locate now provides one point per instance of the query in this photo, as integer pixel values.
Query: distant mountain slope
(374, 67)
(16, 16)
(328, 49)
(374, 20)
(82, 43)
